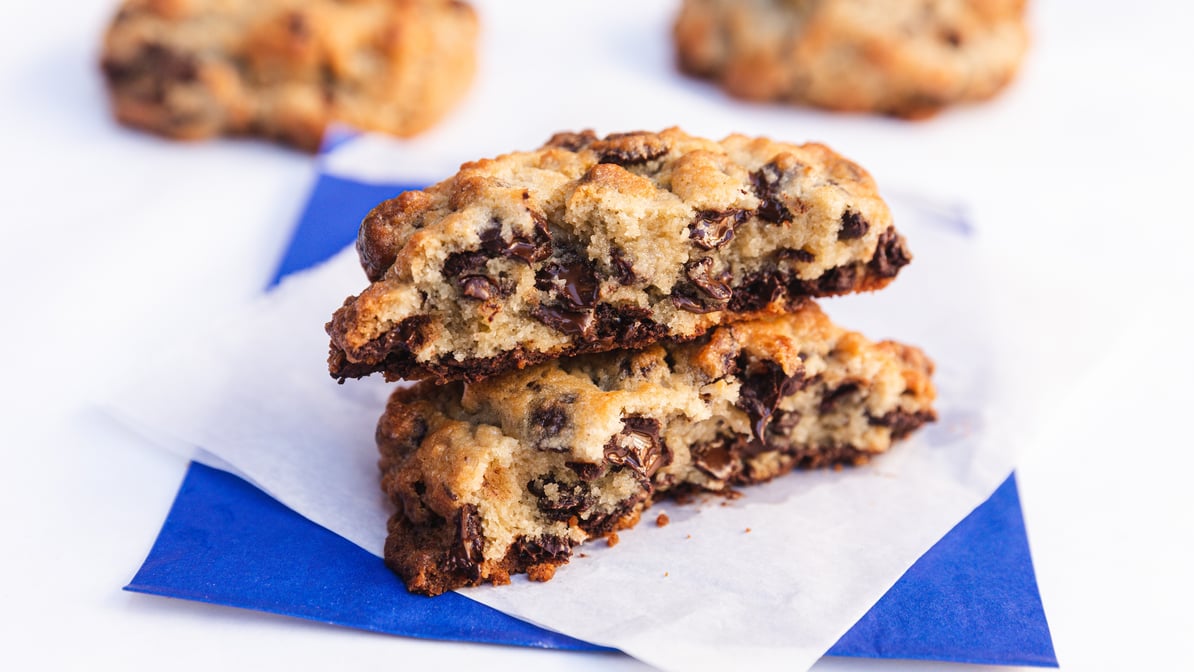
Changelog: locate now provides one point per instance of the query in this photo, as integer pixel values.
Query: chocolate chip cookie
(907, 58)
(285, 69)
(510, 474)
(590, 244)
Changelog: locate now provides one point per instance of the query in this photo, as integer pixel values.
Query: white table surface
(112, 241)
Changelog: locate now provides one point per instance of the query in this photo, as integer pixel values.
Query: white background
(111, 242)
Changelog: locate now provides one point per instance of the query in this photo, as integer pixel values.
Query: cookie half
(907, 58)
(510, 474)
(590, 244)
(285, 69)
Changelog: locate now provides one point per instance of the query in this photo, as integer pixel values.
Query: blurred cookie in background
(907, 58)
(285, 69)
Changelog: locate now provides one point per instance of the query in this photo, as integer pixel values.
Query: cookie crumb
(662, 520)
(748, 530)
(665, 575)
(612, 539)
(688, 536)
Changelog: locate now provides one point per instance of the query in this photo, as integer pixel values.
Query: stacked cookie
(607, 321)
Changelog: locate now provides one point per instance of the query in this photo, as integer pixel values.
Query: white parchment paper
(769, 581)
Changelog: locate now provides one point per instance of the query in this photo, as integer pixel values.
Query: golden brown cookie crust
(907, 58)
(590, 244)
(509, 474)
(285, 69)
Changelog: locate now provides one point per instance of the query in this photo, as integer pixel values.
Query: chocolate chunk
(529, 249)
(639, 448)
(571, 322)
(626, 324)
(712, 228)
(890, 254)
(684, 300)
(578, 280)
(716, 287)
(467, 552)
(601, 524)
(568, 499)
(764, 383)
(549, 549)
(464, 263)
(623, 266)
(547, 421)
(833, 397)
(586, 471)
(853, 226)
(478, 287)
(835, 280)
(766, 186)
(757, 290)
(903, 423)
(951, 37)
(795, 255)
(627, 149)
(573, 142)
(718, 459)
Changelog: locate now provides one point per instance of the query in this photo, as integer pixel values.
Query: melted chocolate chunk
(464, 263)
(715, 287)
(586, 471)
(623, 266)
(835, 396)
(764, 383)
(467, 551)
(573, 142)
(903, 423)
(479, 287)
(835, 280)
(712, 229)
(766, 185)
(890, 255)
(639, 448)
(853, 226)
(577, 277)
(529, 249)
(569, 499)
(719, 459)
(571, 322)
(684, 300)
(549, 549)
(757, 290)
(626, 324)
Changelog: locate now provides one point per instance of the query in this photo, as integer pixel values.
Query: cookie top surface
(906, 58)
(285, 69)
(566, 449)
(590, 244)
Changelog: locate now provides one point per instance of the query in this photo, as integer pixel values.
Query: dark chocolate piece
(712, 229)
(638, 447)
(853, 226)
(890, 255)
(766, 185)
(763, 384)
(529, 249)
(467, 552)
